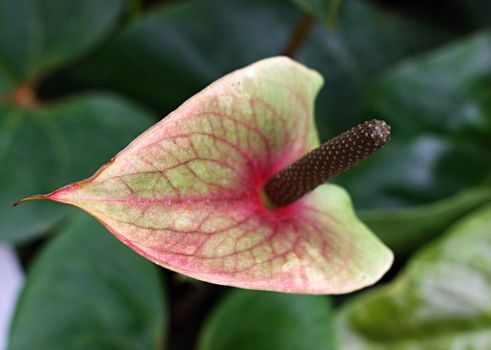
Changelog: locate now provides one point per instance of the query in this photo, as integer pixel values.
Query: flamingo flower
(188, 194)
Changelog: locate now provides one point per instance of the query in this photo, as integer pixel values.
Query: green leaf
(439, 108)
(325, 10)
(87, 291)
(366, 41)
(37, 35)
(266, 321)
(405, 229)
(53, 145)
(442, 301)
(187, 193)
(173, 53)
(427, 97)
(178, 49)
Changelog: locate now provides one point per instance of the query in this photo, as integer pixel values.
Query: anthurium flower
(189, 194)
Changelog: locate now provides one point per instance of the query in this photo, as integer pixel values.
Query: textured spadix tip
(327, 161)
(378, 130)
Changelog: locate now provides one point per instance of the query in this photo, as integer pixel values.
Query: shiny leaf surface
(442, 301)
(367, 40)
(87, 291)
(173, 52)
(42, 34)
(181, 55)
(406, 229)
(269, 321)
(49, 146)
(441, 125)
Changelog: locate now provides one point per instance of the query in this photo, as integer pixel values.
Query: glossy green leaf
(36, 35)
(87, 291)
(187, 193)
(442, 301)
(405, 229)
(439, 107)
(325, 10)
(268, 321)
(180, 58)
(174, 51)
(427, 97)
(181, 54)
(367, 40)
(55, 144)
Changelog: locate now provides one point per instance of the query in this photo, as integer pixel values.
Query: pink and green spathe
(187, 193)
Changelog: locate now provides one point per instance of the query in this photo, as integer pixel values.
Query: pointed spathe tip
(35, 197)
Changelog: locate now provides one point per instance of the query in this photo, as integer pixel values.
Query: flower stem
(327, 161)
(299, 35)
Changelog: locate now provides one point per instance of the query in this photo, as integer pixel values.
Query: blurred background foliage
(80, 79)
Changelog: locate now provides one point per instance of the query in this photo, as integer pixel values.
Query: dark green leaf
(88, 291)
(264, 320)
(46, 148)
(177, 50)
(38, 35)
(442, 301)
(439, 106)
(174, 52)
(405, 229)
(366, 41)
(440, 92)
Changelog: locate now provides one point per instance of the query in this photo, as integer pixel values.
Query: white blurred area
(11, 279)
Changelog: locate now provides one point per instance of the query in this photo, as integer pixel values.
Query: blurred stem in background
(299, 35)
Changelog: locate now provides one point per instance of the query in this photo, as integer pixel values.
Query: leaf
(427, 97)
(269, 321)
(87, 291)
(442, 300)
(173, 52)
(438, 106)
(39, 35)
(366, 41)
(55, 144)
(186, 194)
(405, 229)
(325, 10)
